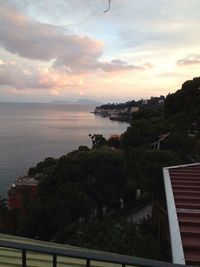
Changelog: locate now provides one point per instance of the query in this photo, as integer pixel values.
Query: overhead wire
(109, 4)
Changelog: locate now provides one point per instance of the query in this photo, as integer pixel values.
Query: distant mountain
(62, 102)
(86, 101)
(81, 101)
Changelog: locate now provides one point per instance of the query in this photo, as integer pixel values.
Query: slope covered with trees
(83, 196)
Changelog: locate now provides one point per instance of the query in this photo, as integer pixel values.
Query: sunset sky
(70, 49)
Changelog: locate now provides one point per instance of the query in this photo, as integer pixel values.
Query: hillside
(80, 195)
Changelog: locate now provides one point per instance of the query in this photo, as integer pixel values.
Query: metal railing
(78, 253)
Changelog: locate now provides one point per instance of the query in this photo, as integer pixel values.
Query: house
(134, 109)
(161, 138)
(24, 189)
(137, 215)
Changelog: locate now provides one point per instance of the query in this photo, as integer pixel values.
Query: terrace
(23, 252)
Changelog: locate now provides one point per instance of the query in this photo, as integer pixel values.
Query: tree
(43, 166)
(80, 182)
(3, 216)
(98, 140)
(141, 133)
(112, 235)
(184, 100)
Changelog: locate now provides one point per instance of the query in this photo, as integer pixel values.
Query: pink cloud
(23, 77)
(189, 60)
(70, 52)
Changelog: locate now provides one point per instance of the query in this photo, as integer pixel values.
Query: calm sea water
(31, 132)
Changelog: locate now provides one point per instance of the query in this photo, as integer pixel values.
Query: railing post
(23, 258)
(54, 260)
(88, 263)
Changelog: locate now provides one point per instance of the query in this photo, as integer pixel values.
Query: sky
(71, 49)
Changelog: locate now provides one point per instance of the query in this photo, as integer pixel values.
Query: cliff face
(97, 110)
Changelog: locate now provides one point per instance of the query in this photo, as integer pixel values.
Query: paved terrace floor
(12, 257)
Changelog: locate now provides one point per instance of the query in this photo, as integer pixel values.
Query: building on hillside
(161, 138)
(134, 109)
(114, 117)
(182, 187)
(137, 215)
(161, 101)
(97, 110)
(145, 101)
(23, 190)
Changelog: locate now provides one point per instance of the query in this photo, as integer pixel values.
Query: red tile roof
(184, 195)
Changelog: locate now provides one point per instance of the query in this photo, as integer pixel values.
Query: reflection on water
(31, 132)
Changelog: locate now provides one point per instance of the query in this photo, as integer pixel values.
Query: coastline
(34, 132)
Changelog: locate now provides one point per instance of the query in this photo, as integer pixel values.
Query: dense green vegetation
(153, 101)
(80, 195)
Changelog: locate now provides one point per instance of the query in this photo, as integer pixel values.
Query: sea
(30, 132)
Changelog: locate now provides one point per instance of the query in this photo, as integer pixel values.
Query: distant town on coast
(124, 111)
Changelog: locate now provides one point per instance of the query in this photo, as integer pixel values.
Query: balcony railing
(89, 256)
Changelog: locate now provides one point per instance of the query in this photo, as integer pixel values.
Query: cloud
(13, 75)
(45, 42)
(189, 60)
(22, 77)
(157, 24)
(81, 93)
(55, 92)
(118, 65)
